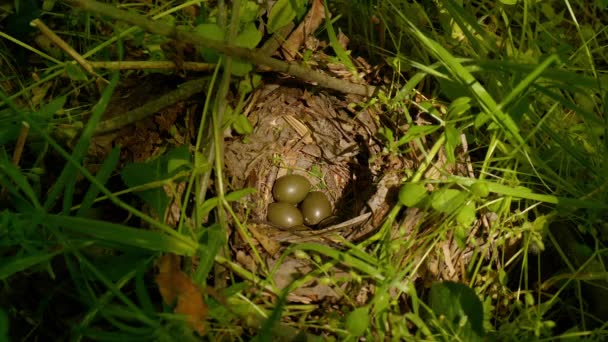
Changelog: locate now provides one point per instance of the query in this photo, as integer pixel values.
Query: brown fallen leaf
(313, 291)
(307, 27)
(263, 233)
(177, 288)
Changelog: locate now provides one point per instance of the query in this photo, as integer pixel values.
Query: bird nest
(333, 143)
(318, 136)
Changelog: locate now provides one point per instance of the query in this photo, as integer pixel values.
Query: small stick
(252, 55)
(277, 39)
(182, 93)
(129, 65)
(63, 45)
(25, 129)
(311, 22)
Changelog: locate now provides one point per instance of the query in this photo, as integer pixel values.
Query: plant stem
(253, 55)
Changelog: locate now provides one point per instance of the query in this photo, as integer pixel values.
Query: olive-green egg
(290, 189)
(284, 215)
(315, 208)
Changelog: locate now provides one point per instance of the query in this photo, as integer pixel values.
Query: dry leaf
(175, 286)
(264, 235)
(313, 291)
(307, 27)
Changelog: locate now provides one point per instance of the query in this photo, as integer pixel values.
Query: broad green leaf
(458, 107)
(239, 194)
(249, 12)
(411, 194)
(211, 203)
(461, 234)
(50, 109)
(357, 321)
(241, 68)
(450, 88)
(210, 31)
(249, 37)
(248, 83)
(447, 200)
(480, 189)
(503, 277)
(242, 125)
(281, 14)
(75, 72)
(162, 168)
(178, 159)
(382, 300)
(416, 132)
(461, 308)
(387, 134)
(466, 215)
(47, 5)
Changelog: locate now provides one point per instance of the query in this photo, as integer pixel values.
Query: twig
(184, 91)
(278, 38)
(25, 129)
(139, 65)
(29, 47)
(252, 55)
(311, 22)
(64, 46)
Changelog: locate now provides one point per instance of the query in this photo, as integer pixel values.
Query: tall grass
(536, 124)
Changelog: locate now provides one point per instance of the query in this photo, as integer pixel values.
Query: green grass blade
(69, 173)
(528, 81)
(470, 27)
(146, 218)
(527, 193)
(118, 233)
(12, 265)
(104, 173)
(345, 258)
(212, 241)
(466, 79)
(336, 46)
(10, 171)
